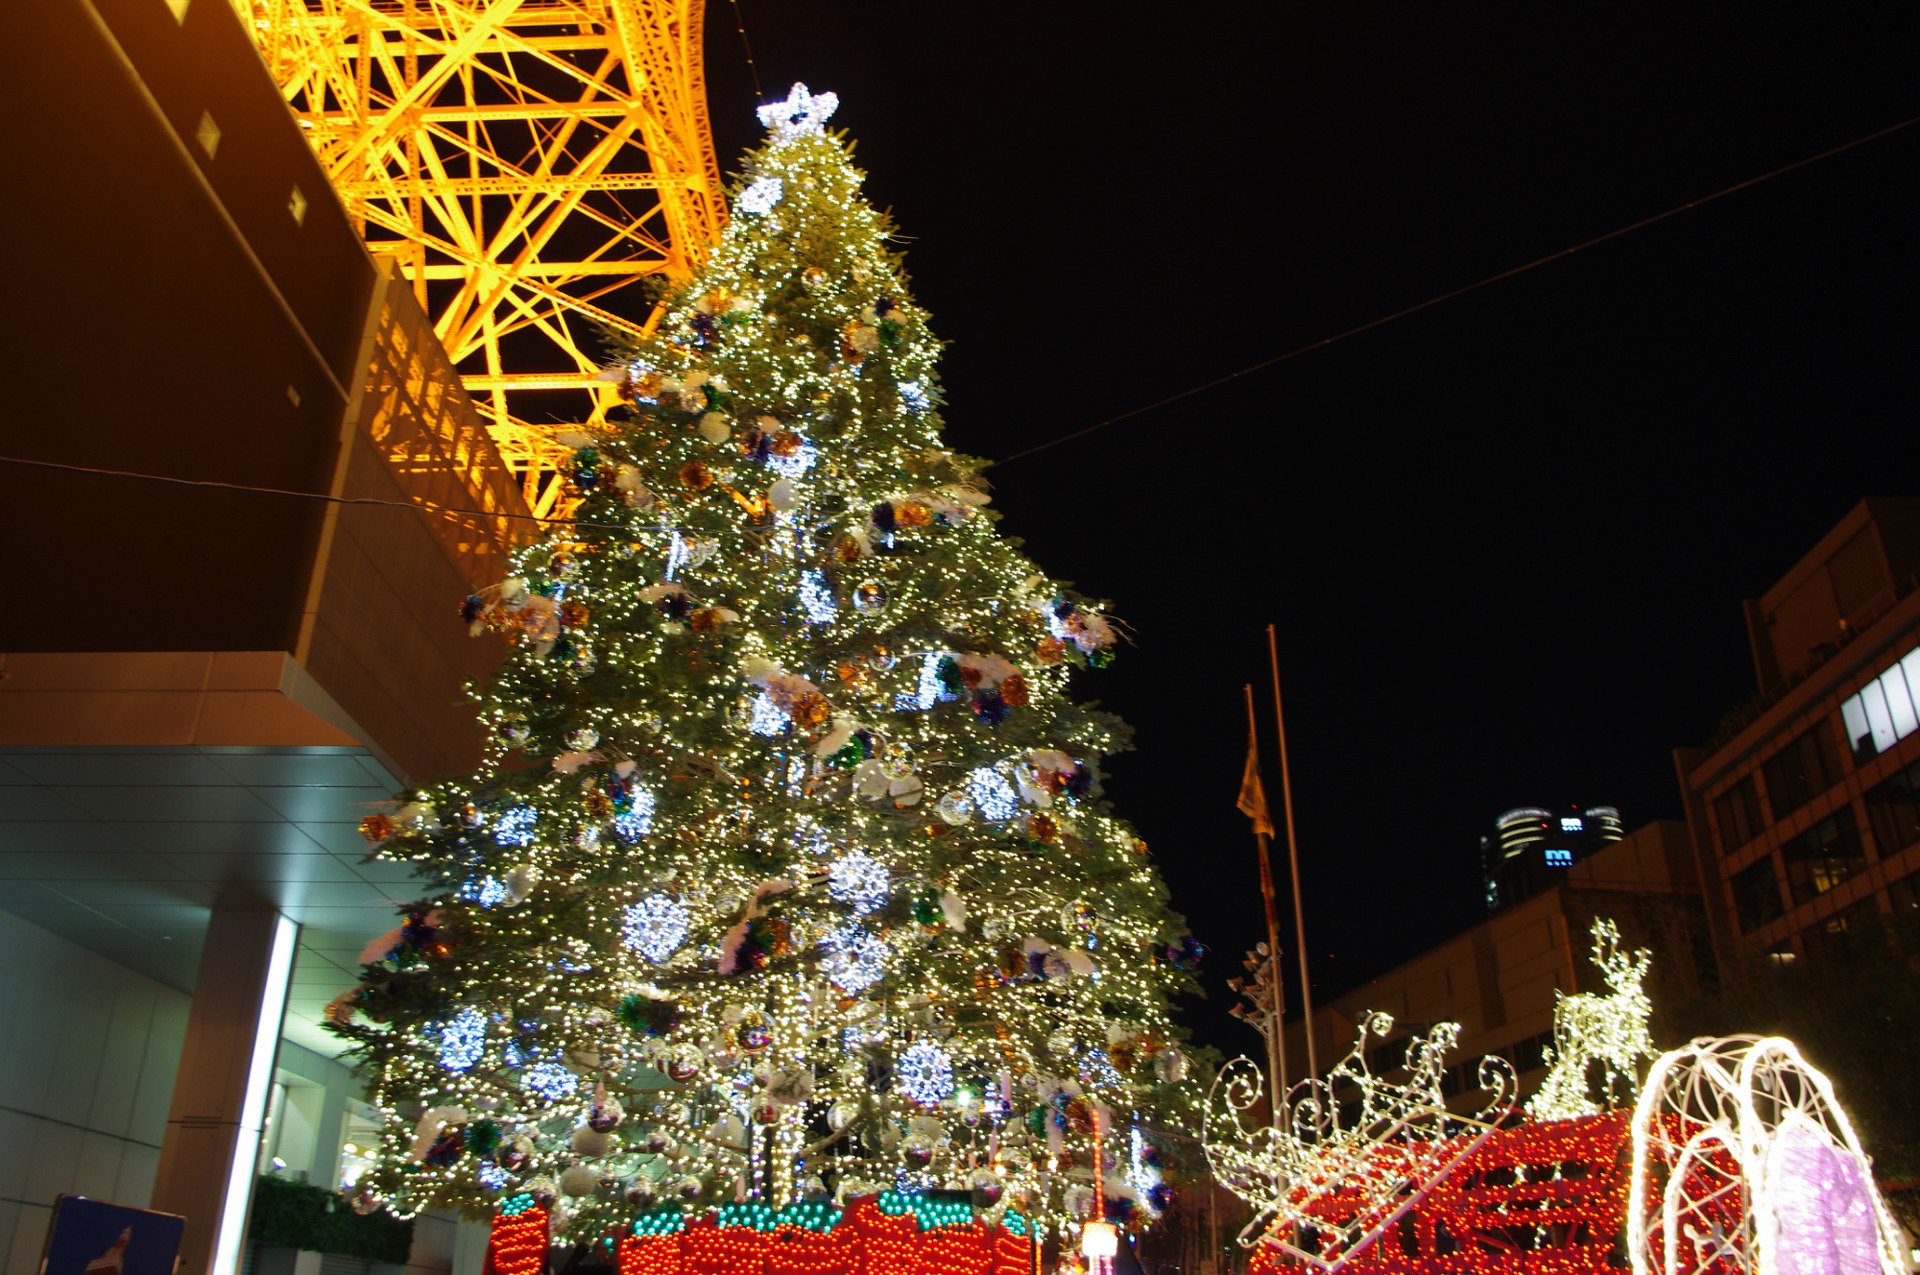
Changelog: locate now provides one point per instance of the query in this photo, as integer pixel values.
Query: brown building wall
(1751, 912)
(183, 323)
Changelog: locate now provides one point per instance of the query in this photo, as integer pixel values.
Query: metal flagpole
(1276, 1043)
(1293, 853)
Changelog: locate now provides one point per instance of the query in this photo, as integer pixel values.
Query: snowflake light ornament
(855, 958)
(860, 880)
(550, 1080)
(802, 112)
(655, 926)
(463, 1040)
(925, 1073)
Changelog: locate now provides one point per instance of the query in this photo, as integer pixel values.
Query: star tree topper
(802, 112)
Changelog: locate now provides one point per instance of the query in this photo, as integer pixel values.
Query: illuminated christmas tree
(789, 878)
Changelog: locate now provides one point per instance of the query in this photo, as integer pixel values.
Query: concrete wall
(87, 1064)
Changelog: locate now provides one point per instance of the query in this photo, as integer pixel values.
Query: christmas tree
(789, 877)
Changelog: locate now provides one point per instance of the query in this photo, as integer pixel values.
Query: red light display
(864, 1242)
(1541, 1199)
(518, 1244)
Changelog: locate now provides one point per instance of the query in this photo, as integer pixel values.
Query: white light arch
(1756, 1168)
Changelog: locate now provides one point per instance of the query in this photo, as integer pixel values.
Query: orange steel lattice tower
(529, 162)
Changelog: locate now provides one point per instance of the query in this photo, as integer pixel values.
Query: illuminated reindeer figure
(1610, 1028)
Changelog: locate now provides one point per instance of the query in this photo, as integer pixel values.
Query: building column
(212, 1145)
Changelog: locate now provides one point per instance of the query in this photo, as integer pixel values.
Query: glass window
(1801, 771)
(1824, 855)
(1840, 935)
(1893, 811)
(1756, 894)
(1737, 815)
(1905, 894)
(1886, 710)
(359, 1135)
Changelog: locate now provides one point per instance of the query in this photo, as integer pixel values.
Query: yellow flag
(1253, 797)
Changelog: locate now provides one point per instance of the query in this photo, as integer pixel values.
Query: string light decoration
(1736, 1159)
(1610, 1030)
(1744, 1163)
(1352, 1152)
(785, 635)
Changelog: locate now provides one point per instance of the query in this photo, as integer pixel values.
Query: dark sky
(1505, 540)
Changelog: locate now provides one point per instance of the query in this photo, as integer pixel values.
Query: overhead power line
(420, 505)
(451, 511)
(1448, 296)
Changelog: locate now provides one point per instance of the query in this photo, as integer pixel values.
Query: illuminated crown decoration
(1352, 1152)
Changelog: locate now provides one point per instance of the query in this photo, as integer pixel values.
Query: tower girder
(525, 160)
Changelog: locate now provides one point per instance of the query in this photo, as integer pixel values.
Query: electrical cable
(451, 511)
(421, 506)
(1448, 296)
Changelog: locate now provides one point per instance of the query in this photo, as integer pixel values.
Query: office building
(1531, 847)
(1805, 810)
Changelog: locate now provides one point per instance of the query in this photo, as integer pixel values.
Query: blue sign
(92, 1237)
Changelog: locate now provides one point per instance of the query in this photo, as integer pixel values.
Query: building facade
(1803, 812)
(212, 683)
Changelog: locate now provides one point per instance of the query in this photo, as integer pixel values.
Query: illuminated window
(1823, 856)
(1559, 858)
(1886, 710)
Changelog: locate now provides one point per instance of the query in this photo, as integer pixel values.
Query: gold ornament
(811, 709)
(705, 620)
(1049, 650)
(598, 804)
(784, 443)
(573, 614)
(695, 476)
(1013, 689)
(911, 513)
(376, 828)
(1041, 827)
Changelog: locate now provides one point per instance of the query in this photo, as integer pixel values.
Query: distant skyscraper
(1531, 847)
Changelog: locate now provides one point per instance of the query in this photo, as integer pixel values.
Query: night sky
(1504, 540)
